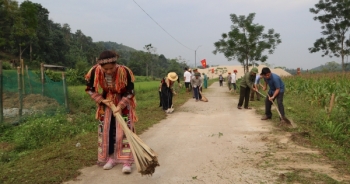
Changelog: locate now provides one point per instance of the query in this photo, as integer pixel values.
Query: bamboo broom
(145, 158)
(283, 119)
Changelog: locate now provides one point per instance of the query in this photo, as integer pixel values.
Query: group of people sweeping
(250, 84)
(117, 99)
(193, 82)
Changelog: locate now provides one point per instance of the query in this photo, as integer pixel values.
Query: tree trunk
(20, 52)
(147, 69)
(247, 67)
(342, 63)
(151, 64)
(30, 52)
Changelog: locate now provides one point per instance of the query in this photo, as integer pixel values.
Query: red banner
(204, 63)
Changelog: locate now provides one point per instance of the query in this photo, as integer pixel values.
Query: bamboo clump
(145, 158)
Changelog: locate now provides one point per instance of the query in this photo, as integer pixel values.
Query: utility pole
(195, 56)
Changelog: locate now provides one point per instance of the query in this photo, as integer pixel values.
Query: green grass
(306, 102)
(306, 176)
(42, 149)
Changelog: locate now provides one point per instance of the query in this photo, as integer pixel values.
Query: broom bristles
(145, 158)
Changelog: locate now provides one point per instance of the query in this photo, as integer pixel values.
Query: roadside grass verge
(307, 104)
(51, 149)
(305, 176)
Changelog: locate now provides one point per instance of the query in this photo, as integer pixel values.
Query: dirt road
(214, 142)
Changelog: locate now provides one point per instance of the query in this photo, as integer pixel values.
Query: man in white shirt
(256, 84)
(187, 79)
(233, 81)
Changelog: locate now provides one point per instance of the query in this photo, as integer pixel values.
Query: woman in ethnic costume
(116, 82)
(167, 91)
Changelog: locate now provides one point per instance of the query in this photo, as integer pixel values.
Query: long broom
(283, 119)
(204, 99)
(145, 158)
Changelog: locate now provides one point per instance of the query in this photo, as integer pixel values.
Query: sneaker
(126, 168)
(110, 164)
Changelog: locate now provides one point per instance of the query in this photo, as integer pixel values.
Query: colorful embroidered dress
(119, 88)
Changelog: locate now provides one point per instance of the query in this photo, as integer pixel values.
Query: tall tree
(25, 26)
(149, 62)
(334, 15)
(246, 41)
(8, 14)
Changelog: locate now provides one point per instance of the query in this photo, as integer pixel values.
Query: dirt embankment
(31, 103)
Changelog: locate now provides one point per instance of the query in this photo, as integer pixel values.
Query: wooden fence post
(42, 78)
(331, 104)
(65, 92)
(19, 77)
(1, 91)
(22, 71)
(30, 85)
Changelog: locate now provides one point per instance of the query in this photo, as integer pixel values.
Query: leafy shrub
(54, 76)
(6, 66)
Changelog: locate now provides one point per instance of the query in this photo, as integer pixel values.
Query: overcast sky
(193, 23)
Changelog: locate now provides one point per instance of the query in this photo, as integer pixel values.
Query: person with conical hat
(167, 91)
(246, 85)
(117, 97)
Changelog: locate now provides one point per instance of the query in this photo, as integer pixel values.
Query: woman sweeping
(168, 91)
(116, 82)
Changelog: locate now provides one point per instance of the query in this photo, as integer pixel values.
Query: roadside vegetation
(322, 123)
(49, 143)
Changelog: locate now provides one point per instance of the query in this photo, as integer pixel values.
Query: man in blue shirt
(276, 91)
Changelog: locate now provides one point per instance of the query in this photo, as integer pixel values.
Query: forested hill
(28, 33)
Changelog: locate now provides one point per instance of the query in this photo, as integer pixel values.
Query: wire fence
(28, 92)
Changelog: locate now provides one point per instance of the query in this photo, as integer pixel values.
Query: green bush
(6, 66)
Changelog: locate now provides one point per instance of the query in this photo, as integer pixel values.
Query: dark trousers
(112, 133)
(167, 97)
(268, 105)
(197, 95)
(244, 96)
(234, 86)
(252, 93)
(220, 82)
(160, 98)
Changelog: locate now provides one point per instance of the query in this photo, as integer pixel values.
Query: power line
(162, 27)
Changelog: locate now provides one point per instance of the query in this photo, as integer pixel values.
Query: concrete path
(201, 142)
